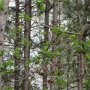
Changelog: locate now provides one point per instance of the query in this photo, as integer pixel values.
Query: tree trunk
(80, 56)
(17, 59)
(27, 45)
(55, 17)
(46, 30)
(81, 71)
(3, 17)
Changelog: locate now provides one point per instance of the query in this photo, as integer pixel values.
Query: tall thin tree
(55, 17)
(80, 55)
(17, 60)
(46, 30)
(27, 32)
(3, 18)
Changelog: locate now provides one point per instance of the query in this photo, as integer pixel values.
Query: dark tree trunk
(17, 59)
(46, 30)
(27, 45)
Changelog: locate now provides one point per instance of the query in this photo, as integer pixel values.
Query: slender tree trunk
(55, 17)
(81, 71)
(3, 17)
(1, 49)
(80, 56)
(68, 65)
(27, 45)
(46, 30)
(17, 59)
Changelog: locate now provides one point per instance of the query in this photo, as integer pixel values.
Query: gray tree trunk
(52, 67)
(80, 57)
(3, 18)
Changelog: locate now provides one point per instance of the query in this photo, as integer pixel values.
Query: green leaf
(87, 84)
(1, 53)
(1, 5)
(17, 52)
(7, 88)
(73, 37)
(87, 58)
(12, 34)
(78, 46)
(25, 42)
(9, 62)
(18, 30)
(57, 30)
(40, 5)
(87, 43)
(57, 53)
(87, 46)
(25, 16)
(36, 59)
(66, 2)
(47, 54)
(61, 82)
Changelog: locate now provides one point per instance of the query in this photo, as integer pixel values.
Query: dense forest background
(44, 44)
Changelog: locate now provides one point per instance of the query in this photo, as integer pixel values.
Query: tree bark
(81, 71)
(27, 32)
(3, 18)
(80, 56)
(46, 30)
(17, 60)
(55, 17)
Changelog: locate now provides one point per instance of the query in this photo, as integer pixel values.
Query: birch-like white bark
(3, 18)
